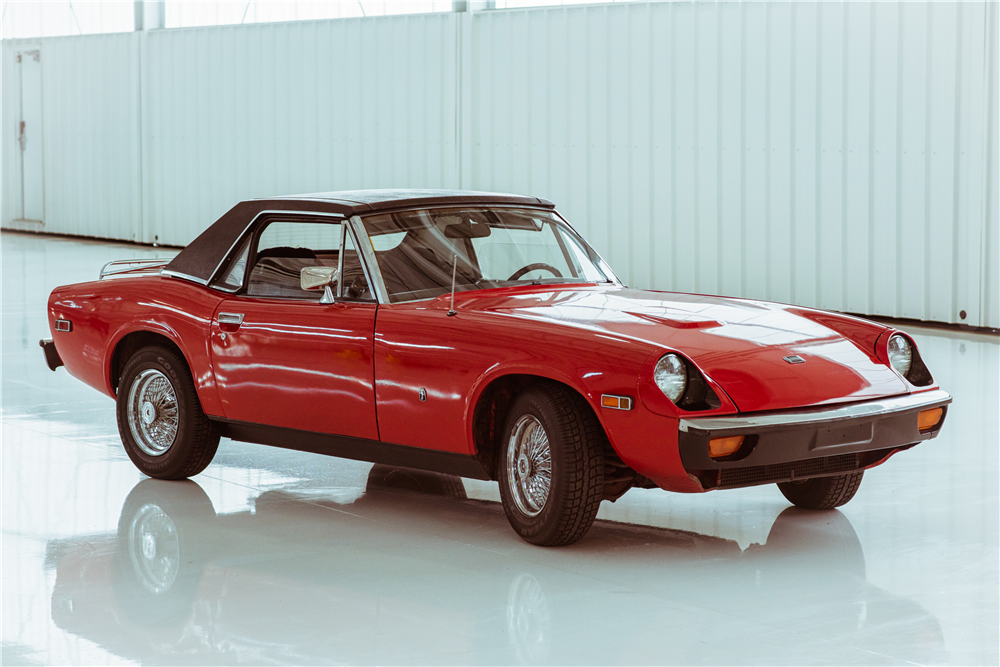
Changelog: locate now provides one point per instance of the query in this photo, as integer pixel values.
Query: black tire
(575, 442)
(822, 493)
(149, 444)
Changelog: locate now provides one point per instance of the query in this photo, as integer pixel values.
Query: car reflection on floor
(299, 580)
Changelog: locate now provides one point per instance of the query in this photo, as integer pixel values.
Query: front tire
(551, 466)
(822, 493)
(160, 419)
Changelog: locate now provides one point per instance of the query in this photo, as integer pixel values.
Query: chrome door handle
(231, 318)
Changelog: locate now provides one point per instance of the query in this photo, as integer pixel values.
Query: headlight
(670, 376)
(900, 354)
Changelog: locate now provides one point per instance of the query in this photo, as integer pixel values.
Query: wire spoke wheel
(529, 462)
(550, 465)
(165, 432)
(152, 412)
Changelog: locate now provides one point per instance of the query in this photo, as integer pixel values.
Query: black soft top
(199, 260)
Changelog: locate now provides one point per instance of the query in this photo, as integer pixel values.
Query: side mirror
(319, 277)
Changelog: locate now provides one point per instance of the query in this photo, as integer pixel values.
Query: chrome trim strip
(364, 246)
(876, 408)
(239, 237)
(182, 276)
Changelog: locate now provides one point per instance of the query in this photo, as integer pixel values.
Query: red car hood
(738, 343)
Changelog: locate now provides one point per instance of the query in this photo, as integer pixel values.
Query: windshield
(417, 251)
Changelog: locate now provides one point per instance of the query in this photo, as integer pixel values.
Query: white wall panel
(239, 112)
(827, 154)
(990, 275)
(90, 117)
(840, 155)
(10, 101)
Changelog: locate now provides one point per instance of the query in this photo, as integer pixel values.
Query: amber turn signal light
(616, 402)
(928, 419)
(719, 447)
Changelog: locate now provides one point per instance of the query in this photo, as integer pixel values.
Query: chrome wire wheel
(154, 548)
(529, 465)
(152, 412)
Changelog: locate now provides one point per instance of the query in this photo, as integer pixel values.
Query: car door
(281, 356)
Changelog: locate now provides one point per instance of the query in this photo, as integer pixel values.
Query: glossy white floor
(273, 556)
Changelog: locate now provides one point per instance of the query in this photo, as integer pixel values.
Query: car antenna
(454, 266)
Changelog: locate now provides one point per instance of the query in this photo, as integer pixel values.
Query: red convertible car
(479, 335)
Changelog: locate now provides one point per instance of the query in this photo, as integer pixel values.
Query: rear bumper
(801, 444)
(51, 355)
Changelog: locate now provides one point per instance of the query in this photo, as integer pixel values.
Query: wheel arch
(492, 406)
(131, 343)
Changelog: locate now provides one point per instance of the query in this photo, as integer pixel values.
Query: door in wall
(30, 136)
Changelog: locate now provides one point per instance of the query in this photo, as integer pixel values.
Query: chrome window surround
(877, 408)
(239, 238)
(345, 223)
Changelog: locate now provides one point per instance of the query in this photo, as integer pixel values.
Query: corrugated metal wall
(90, 107)
(840, 155)
(829, 154)
(238, 112)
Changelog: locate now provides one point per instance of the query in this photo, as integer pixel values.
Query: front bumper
(802, 444)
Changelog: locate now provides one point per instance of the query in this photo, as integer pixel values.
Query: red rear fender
(103, 314)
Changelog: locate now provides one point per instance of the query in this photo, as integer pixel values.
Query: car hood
(741, 344)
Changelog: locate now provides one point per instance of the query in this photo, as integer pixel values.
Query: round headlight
(670, 376)
(900, 354)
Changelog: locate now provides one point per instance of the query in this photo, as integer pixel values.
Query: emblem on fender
(794, 359)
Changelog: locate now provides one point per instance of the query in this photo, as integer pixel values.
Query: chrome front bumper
(799, 444)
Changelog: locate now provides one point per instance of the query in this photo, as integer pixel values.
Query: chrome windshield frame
(614, 277)
(368, 262)
(375, 278)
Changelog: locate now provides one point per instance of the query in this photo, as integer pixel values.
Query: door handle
(232, 319)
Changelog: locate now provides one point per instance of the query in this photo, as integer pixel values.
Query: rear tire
(160, 419)
(822, 493)
(551, 466)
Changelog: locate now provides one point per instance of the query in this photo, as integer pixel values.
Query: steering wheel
(534, 267)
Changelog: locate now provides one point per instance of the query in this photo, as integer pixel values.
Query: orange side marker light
(928, 419)
(719, 447)
(616, 402)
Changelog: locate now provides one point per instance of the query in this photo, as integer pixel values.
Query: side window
(237, 270)
(283, 249)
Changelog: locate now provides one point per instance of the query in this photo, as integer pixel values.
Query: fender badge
(794, 359)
